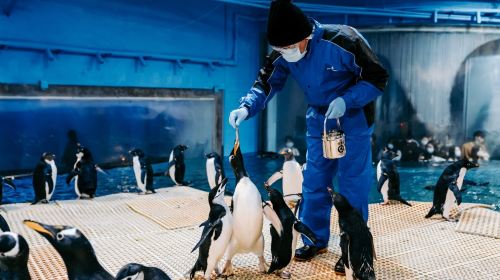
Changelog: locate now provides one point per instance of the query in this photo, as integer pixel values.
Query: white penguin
(247, 215)
(292, 178)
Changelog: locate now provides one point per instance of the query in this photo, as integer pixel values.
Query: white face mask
(289, 144)
(293, 54)
(430, 150)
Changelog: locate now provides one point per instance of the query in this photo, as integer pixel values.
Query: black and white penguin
(7, 182)
(388, 178)
(14, 253)
(216, 235)
(285, 229)
(44, 178)
(292, 177)
(135, 271)
(215, 169)
(84, 173)
(247, 214)
(75, 249)
(356, 241)
(176, 166)
(447, 189)
(143, 171)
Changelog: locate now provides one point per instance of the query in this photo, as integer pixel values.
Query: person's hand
(336, 109)
(237, 116)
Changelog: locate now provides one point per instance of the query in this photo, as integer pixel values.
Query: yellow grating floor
(160, 230)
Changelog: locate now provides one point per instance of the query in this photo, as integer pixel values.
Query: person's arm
(271, 78)
(371, 75)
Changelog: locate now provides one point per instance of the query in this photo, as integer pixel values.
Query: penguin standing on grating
(143, 171)
(215, 169)
(7, 182)
(75, 249)
(356, 241)
(292, 177)
(44, 178)
(134, 271)
(85, 174)
(388, 178)
(176, 166)
(216, 234)
(447, 189)
(285, 229)
(247, 214)
(14, 253)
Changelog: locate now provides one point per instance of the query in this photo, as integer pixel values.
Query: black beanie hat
(286, 24)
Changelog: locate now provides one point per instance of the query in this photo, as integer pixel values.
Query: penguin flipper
(305, 230)
(273, 218)
(275, 177)
(456, 191)
(432, 212)
(4, 226)
(400, 199)
(209, 229)
(381, 181)
(344, 247)
(71, 175)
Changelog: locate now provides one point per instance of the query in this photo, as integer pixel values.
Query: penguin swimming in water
(292, 178)
(356, 241)
(216, 234)
(285, 229)
(176, 166)
(84, 173)
(7, 182)
(143, 171)
(75, 250)
(44, 178)
(247, 214)
(215, 169)
(388, 178)
(14, 253)
(448, 187)
(134, 271)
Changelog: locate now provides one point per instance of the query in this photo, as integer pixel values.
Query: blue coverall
(338, 63)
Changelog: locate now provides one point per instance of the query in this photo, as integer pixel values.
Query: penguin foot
(263, 267)
(384, 203)
(228, 269)
(284, 274)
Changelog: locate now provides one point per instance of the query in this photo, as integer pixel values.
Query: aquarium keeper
(341, 78)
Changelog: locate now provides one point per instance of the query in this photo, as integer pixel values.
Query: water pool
(413, 180)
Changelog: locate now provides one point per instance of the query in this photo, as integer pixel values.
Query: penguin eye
(59, 236)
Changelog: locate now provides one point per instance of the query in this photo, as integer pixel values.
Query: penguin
(215, 169)
(285, 229)
(292, 177)
(7, 182)
(134, 271)
(447, 189)
(14, 253)
(388, 178)
(44, 178)
(84, 173)
(75, 250)
(216, 235)
(356, 241)
(176, 167)
(143, 171)
(247, 214)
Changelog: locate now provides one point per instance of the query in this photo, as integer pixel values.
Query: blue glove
(237, 116)
(336, 109)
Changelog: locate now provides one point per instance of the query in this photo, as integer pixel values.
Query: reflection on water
(413, 181)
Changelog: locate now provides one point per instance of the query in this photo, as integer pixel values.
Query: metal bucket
(333, 142)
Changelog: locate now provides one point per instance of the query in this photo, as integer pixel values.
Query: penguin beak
(45, 230)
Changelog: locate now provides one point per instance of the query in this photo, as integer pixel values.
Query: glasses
(284, 49)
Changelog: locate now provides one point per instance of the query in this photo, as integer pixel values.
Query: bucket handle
(324, 125)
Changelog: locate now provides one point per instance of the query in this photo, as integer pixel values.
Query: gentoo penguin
(247, 214)
(14, 253)
(85, 174)
(75, 250)
(44, 178)
(216, 233)
(285, 229)
(356, 241)
(134, 271)
(215, 169)
(447, 189)
(292, 177)
(143, 171)
(8, 182)
(176, 167)
(388, 178)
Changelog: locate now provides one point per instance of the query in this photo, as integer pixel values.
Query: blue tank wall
(202, 31)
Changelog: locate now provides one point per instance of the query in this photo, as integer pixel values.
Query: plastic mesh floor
(160, 230)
